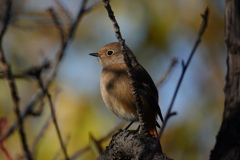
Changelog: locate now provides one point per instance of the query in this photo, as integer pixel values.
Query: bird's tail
(154, 132)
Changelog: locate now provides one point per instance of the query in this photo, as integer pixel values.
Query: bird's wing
(147, 88)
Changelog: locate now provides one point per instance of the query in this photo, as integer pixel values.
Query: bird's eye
(109, 53)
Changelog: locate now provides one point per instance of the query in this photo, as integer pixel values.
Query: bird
(116, 89)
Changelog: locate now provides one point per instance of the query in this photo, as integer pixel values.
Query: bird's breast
(116, 92)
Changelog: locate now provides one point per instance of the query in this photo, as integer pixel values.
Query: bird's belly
(118, 98)
(120, 106)
(120, 109)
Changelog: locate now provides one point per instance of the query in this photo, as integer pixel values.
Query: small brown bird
(116, 87)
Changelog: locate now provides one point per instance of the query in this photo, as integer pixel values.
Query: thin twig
(40, 134)
(30, 73)
(89, 9)
(17, 76)
(5, 151)
(184, 68)
(64, 11)
(65, 42)
(76, 22)
(58, 153)
(11, 81)
(58, 25)
(3, 128)
(80, 152)
(130, 62)
(37, 112)
(24, 113)
(167, 73)
(53, 113)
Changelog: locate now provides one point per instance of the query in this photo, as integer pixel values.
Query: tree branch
(54, 66)
(53, 113)
(40, 134)
(11, 81)
(5, 151)
(227, 144)
(184, 68)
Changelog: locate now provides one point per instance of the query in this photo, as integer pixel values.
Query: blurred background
(157, 31)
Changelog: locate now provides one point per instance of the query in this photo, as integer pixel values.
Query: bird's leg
(138, 128)
(132, 131)
(125, 129)
(129, 125)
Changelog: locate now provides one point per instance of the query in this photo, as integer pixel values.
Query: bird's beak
(94, 54)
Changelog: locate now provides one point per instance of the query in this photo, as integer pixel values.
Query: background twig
(54, 65)
(40, 134)
(11, 82)
(80, 152)
(5, 151)
(184, 68)
(167, 73)
(53, 113)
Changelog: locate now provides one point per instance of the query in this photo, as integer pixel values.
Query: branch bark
(127, 144)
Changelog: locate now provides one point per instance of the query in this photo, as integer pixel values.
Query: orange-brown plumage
(116, 88)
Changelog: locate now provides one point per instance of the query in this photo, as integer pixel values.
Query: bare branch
(58, 153)
(58, 25)
(65, 12)
(76, 22)
(184, 68)
(38, 109)
(53, 113)
(40, 134)
(30, 73)
(11, 82)
(17, 76)
(89, 9)
(5, 151)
